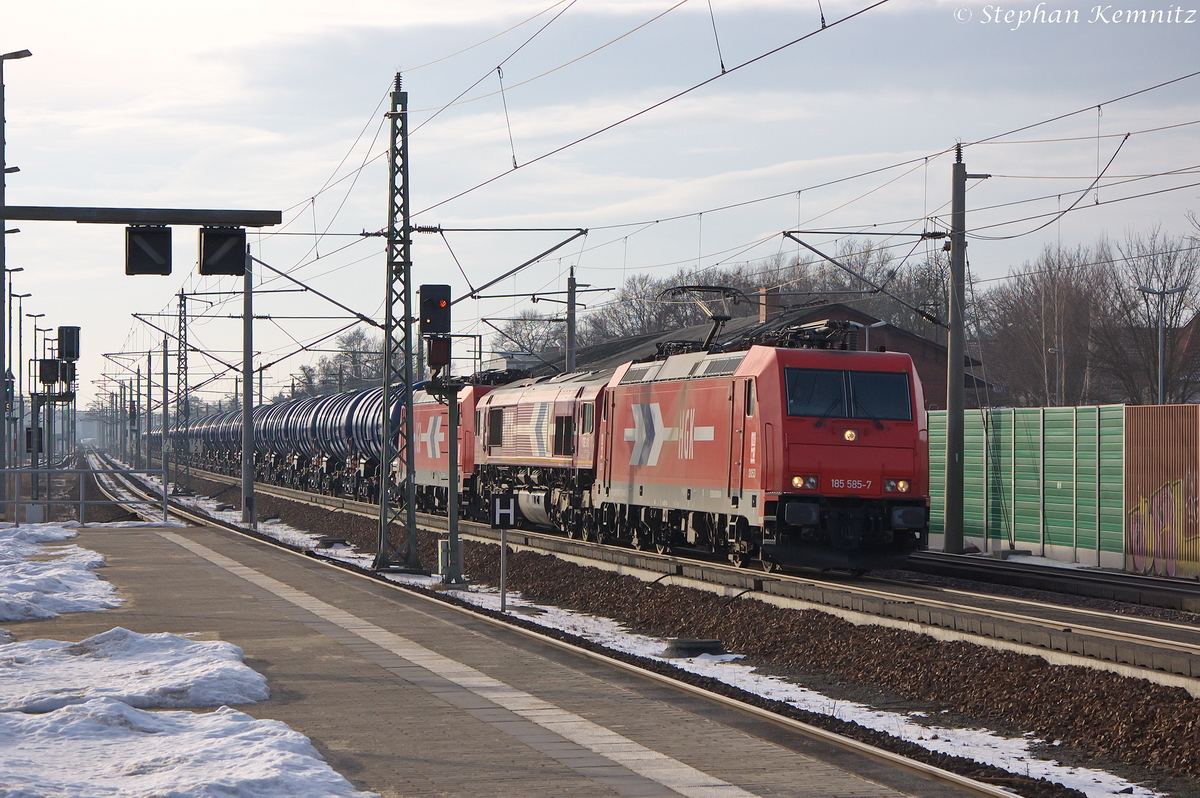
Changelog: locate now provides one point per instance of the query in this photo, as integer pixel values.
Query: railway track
(1163, 652)
(1152, 591)
(120, 486)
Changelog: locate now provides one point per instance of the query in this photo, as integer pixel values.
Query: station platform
(405, 696)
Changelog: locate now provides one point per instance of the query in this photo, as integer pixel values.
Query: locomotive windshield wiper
(821, 418)
(870, 415)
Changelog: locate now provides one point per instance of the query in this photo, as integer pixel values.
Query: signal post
(435, 332)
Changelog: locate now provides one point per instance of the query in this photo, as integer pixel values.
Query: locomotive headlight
(850, 435)
(903, 485)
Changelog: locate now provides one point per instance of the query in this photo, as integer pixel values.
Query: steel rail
(799, 727)
(1114, 635)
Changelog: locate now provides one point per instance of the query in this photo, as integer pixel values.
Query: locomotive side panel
(671, 444)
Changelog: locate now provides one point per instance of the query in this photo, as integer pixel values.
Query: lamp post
(1057, 375)
(10, 386)
(1162, 305)
(5, 170)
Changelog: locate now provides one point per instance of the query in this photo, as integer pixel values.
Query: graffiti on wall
(1155, 530)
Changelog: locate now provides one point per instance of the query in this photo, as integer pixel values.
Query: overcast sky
(266, 104)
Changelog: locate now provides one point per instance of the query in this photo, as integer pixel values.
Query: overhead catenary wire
(654, 106)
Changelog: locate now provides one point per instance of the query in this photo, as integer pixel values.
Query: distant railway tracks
(1164, 652)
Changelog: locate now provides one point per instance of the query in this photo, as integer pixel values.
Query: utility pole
(249, 515)
(956, 357)
(398, 343)
(570, 365)
(165, 426)
(133, 420)
(183, 413)
(1162, 308)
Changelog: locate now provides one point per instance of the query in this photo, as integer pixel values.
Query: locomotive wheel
(739, 559)
(662, 547)
(768, 565)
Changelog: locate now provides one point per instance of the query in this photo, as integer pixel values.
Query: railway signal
(223, 250)
(435, 310)
(147, 249)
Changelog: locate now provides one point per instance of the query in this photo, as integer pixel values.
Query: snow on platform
(106, 748)
(158, 670)
(45, 588)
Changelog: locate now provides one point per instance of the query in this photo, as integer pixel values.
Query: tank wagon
(774, 454)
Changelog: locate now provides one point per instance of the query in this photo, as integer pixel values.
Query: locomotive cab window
(880, 395)
(816, 392)
(826, 393)
(586, 418)
(749, 397)
(564, 435)
(496, 427)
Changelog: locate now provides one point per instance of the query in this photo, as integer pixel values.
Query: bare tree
(1037, 336)
(1127, 332)
(531, 332)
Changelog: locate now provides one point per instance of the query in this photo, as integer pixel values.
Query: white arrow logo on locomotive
(648, 434)
(433, 437)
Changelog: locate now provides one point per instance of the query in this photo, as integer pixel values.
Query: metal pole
(35, 448)
(122, 409)
(398, 342)
(956, 356)
(9, 427)
(955, 344)
(3, 236)
(165, 425)
(249, 516)
(20, 372)
(183, 411)
(570, 365)
(1057, 375)
(1162, 310)
(455, 575)
(504, 569)
(1162, 307)
(137, 438)
(149, 407)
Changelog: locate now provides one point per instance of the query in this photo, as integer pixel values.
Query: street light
(1162, 304)
(9, 383)
(4, 171)
(1057, 375)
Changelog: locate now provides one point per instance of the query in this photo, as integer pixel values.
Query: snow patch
(62, 581)
(147, 671)
(105, 748)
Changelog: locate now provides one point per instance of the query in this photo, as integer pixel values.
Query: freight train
(802, 452)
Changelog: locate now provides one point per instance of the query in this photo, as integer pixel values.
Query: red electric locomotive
(793, 456)
(814, 457)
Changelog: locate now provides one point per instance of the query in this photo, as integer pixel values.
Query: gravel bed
(1144, 731)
